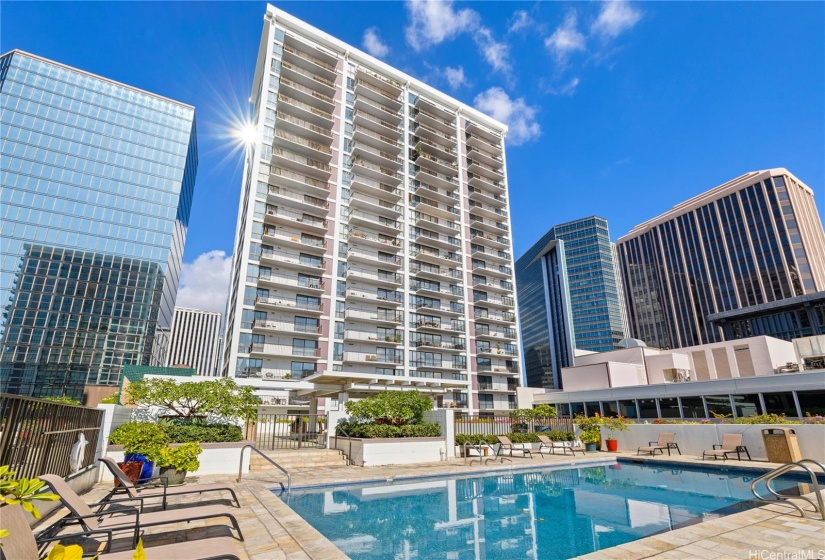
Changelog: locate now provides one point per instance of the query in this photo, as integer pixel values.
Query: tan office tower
(373, 246)
(195, 340)
(755, 240)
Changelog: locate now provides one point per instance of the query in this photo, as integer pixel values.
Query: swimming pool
(558, 513)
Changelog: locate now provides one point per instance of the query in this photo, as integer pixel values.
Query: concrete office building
(195, 340)
(755, 240)
(570, 298)
(373, 246)
(97, 181)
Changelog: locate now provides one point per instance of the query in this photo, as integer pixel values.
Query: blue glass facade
(97, 184)
(569, 298)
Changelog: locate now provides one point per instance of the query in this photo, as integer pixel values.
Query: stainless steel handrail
(767, 478)
(347, 456)
(262, 454)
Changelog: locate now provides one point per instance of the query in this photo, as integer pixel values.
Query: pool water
(540, 514)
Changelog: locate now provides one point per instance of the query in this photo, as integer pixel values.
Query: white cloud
(521, 20)
(568, 88)
(496, 54)
(204, 283)
(455, 76)
(434, 21)
(566, 38)
(615, 17)
(515, 113)
(373, 43)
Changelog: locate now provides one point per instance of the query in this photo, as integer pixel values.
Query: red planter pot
(612, 445)
(132, 470)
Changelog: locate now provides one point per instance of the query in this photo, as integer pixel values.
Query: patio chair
(127, 519)
(666, 441)
(128, 487)
(731, 443)
(21, 544)
(546, 444)
(507, 445)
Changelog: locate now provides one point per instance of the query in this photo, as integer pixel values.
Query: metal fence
(501, 426)
(36, 437)
(290, 431)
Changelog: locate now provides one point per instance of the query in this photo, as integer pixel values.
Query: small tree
(194, 399)
(390, 407)
(544, 411)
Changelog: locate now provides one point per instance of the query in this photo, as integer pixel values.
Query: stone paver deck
(273, 531)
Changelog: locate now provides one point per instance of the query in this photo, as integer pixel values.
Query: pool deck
(273, 531)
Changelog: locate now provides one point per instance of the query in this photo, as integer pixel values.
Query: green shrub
(560, 435)
(528, 437)
(206, 433)
(111, 399)
(394, 407)
(182, 458)
(61, 400)
(356, 430)
(143, 438)
(765, 419)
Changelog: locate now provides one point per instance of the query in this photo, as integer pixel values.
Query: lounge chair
(21, 544)
(507, 445)
(666, 441)
(731, 443)
(127, 519)
(546, 444)
(128, 487)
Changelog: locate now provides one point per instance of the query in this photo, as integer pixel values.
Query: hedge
(530, 437)
(358, 430)
(202, 433)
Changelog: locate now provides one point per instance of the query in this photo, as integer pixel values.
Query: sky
(619, 109)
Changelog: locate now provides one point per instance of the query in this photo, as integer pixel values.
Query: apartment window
(693, 407)
(299, 370)
(249, 367)
(485, 382)
(485, 402)
(307, 281)
(460, 362)
(303, 347)
(340, 306)
(310, 260)
(484, 364)
(306, 324)
(339, 330)
(780, 403)
(482, 346)
(746, 405)
(338, 351)
(307, 302)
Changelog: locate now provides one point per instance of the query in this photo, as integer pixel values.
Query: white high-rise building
(373, 246)
(195, 340)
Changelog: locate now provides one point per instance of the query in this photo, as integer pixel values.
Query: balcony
(385, 143)
(504, 317)
(426, 146)
(448, 141)
(495, 270)
(486, 332)
(376, 172)
(378, 277)
(285, 351)
(431, 238)
(295, 240)
(490, 136)
(447, 376)
(447, 182)
(384, 159)
(504, 370)
(452, 308)
(310, 62)
(431, 222)
(439, 209)
(490, 212)
(476, 180)
(435, 256)
(293, 259)
(306, 111)
(442, 125)
(434, 109)
(491, 160)
(280, 177)
(479, 251)
(367, 239)
(300, 145)
(296, 199)
(392, 298)
(376, 316)
(441, 166)
(308, 95)
(442, 345)
(378, 94)
(301, 164)
(376, 206)
(505, 302)
(436, 272)
(382, 127)
(371, 336)
(444, 364)
(306, 129)
(361, 357)
(488, 225)
(380, 223)
(450, 291)
(375, 188)
(476, 167)
(485, 197)
(285, 327)
(288, 303)
(424, 322)
(497, 285)
(446, 196)
(496, 241)
(374, 258)
(498, 351)
(293, 280)
(366, 105)
(283, 216)
(307, 79)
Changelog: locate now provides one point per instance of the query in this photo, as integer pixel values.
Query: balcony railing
(304, 124)
(295, 238)
(377, 185)
(309, 57)
(293, 280)
(365, 357)
(303, 141)
(286, 326)
(307, 74)
(305, 198)
(379, 315)
(303, 160)
(297, 217)
(305, 106)
(292, 303)
(309, 91)
(415, 268)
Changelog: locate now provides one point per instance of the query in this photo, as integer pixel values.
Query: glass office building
(97, 183)
(569, 298)
(755, 240)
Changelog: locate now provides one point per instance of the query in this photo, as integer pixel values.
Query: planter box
(217, 458)
(693, 439)
(376, 452)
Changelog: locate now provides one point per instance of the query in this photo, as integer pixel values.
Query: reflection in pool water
(544, 514)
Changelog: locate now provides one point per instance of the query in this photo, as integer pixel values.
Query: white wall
(693, 439)
(217, 458)
(656, 365)
(397, 451)
(585, 378)
(626, 375)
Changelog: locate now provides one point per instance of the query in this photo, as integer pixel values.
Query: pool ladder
(767, 478)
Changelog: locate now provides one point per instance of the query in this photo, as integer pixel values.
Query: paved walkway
(273, 531)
